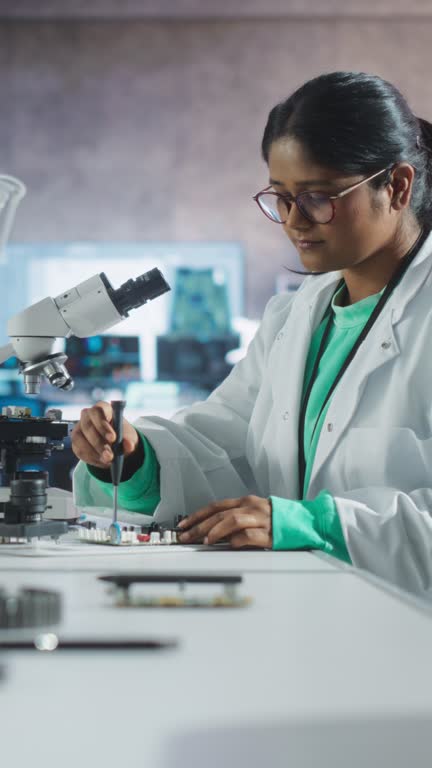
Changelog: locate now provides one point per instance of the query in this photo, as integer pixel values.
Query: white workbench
(324, 669)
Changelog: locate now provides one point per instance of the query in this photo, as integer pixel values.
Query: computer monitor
(101, 358)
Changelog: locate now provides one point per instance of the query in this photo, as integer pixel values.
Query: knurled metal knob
(29, 608)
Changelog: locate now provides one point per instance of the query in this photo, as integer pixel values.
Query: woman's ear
(400, 186)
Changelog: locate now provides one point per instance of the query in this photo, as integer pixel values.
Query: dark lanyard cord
(397, 277)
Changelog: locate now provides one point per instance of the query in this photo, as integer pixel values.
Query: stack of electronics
(200, 334)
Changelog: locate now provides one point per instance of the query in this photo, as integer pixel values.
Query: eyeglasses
(314, 206)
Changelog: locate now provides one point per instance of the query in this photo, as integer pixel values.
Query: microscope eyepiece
(136, 291)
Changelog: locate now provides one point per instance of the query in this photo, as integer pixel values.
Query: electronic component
(126, 537)
(149, 535)
(121, 585)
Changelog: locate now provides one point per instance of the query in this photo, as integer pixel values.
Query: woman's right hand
(93, 434)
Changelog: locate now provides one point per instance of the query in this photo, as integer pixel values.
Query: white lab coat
(375, 450)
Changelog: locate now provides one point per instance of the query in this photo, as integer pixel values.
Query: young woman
(321, 437)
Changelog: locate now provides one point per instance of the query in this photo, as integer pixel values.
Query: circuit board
(128, 537)
(125, 588)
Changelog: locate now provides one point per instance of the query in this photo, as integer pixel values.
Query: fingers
(130, 438)
(96, 429)
(200, 530)
(205, 512)
(226, 518)
(85, 451)
(93, 435)
(101, 416)
(236, 522)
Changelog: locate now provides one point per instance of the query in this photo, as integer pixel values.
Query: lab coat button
(386, 345)
(286, 416)
(330, 427)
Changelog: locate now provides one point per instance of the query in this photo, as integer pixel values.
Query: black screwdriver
(116, 468)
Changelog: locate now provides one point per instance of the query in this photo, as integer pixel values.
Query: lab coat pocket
(388, 456)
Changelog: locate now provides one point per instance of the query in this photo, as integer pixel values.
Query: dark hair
(357, 124)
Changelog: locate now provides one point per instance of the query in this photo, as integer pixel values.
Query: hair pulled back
(357, 123)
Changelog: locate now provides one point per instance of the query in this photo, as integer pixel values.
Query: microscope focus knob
(29, 608)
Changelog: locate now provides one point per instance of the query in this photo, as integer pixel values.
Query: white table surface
(322, 669)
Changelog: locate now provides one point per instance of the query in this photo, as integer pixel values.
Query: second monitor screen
(116, 358)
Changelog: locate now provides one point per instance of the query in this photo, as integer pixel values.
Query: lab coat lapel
(291, 349)
(379, 348)
(294, 341)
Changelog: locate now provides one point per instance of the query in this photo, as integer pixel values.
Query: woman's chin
(314, 263)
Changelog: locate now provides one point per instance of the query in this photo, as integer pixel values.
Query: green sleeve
(311, 524)
(141, 493)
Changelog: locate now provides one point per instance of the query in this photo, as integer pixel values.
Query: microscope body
(37, 333)
(36, 338)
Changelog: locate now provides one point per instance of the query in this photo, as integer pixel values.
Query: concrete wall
(141, 130)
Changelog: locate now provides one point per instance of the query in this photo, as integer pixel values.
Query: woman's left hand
(244, 522)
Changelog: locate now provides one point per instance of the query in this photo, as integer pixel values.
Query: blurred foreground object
(12, 191)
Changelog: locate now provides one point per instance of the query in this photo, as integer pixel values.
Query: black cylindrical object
(135, 292)
(118, 407)
(29, 608)
(28, 498)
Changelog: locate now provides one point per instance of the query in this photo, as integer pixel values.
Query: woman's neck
(373, 274)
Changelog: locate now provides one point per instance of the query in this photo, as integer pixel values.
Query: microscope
(37, 334)
(37, 337)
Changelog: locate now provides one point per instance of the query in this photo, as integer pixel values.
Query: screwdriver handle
(118, 407)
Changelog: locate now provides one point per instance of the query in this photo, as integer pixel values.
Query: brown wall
(142, 130)
(214, 9)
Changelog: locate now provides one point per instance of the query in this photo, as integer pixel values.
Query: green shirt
(296, 524)
(315, 524)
